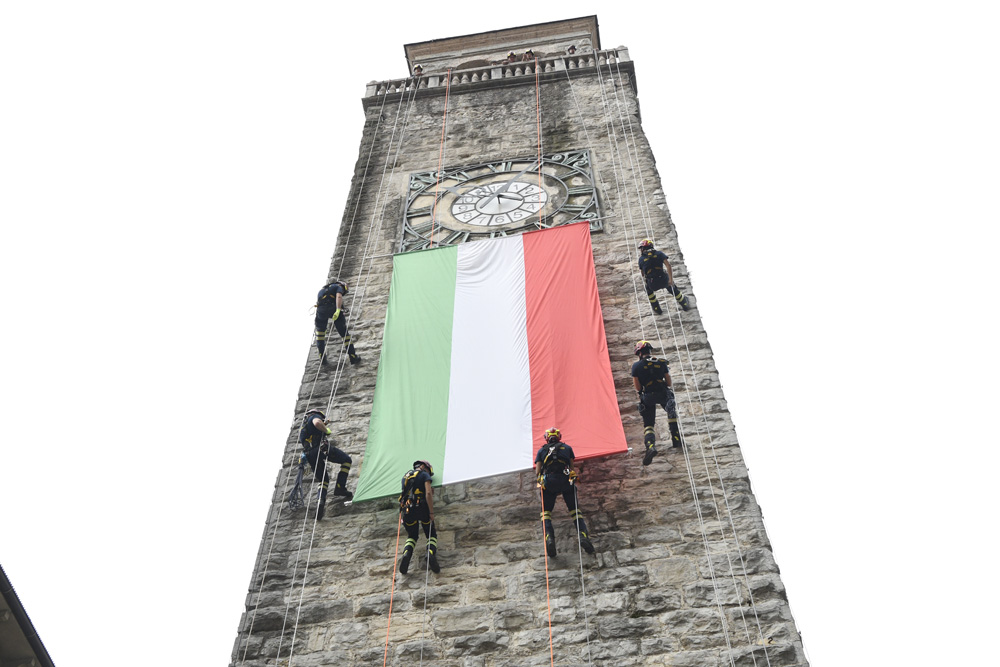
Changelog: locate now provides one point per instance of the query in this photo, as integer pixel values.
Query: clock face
(499, 203)
(498, 198)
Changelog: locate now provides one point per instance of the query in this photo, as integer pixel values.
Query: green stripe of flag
(416, 352)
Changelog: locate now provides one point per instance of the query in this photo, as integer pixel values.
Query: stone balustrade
(505, 71)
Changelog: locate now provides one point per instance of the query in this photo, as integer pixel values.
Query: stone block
(487, 642)
(671, 571)
(461, 620)
(378, 605)
(654, 601)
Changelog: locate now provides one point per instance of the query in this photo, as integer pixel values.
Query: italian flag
(487, 344)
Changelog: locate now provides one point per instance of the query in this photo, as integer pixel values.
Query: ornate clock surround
(499, 198)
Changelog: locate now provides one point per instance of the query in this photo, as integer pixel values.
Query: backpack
(408, 497)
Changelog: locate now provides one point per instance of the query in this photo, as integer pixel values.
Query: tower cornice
(478, 79)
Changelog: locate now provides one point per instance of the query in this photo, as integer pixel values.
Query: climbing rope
(538, 136)
(548, 598)
(704, 422)
(630, 223)
(643, 202)
(427, 571)
(392, 589)
(437, 176)
(583, 587)
(341, 357)
(296, 499)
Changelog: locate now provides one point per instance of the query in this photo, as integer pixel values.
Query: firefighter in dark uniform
(313, 438)
(656, 272)
(554, 470)
(651, 378)
(416, 504)
(329, 305)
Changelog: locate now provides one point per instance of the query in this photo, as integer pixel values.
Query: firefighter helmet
(430, 468)
(645, 244)
(553, 435)
(315, 411)
(643, 346)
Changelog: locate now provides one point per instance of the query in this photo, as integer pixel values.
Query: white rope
(427, 570)
(707, 435)
(583, 586)
(644, 202)
(690, 472)
(693, 373)
(586, 131)
(612, 148)
(294, 462)
(622, 113)
(340, 365)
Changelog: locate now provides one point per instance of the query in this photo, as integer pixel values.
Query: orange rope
(392, 591)
(538, 127)
(437, 176)
(548, 600)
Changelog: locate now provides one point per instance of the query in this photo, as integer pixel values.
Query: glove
(336, 314)
(572, 476)
(541, 480)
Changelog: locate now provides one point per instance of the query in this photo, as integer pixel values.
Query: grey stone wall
(683, 573)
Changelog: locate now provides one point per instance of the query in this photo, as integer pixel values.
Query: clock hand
(511, 181)
(499, 193)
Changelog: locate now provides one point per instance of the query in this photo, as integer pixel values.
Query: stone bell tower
(683, 572)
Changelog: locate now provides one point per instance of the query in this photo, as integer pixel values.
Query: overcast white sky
(171, 180)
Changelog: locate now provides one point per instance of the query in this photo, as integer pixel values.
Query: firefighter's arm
(635, 383)
(340, 303)
(666, 267)
(429, 495)
(321, 425)
(670, 382)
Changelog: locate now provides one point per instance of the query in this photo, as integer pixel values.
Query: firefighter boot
(321, 509)
(404, 562)
(550, 545)
(675, 435)
(432, 560)
(650, 454)
(656, 304)
(682, 301)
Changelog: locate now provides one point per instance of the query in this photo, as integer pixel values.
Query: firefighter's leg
(651, 293)
(682, 300)
(675, 432)
(548, 502)
(322, 320)
(340, 488)
(569, 495)
(430, 532)
(647, 408)
(320, 474)
(341, 325)
(410, 523)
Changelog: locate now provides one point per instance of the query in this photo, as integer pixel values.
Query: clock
(499, 198)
